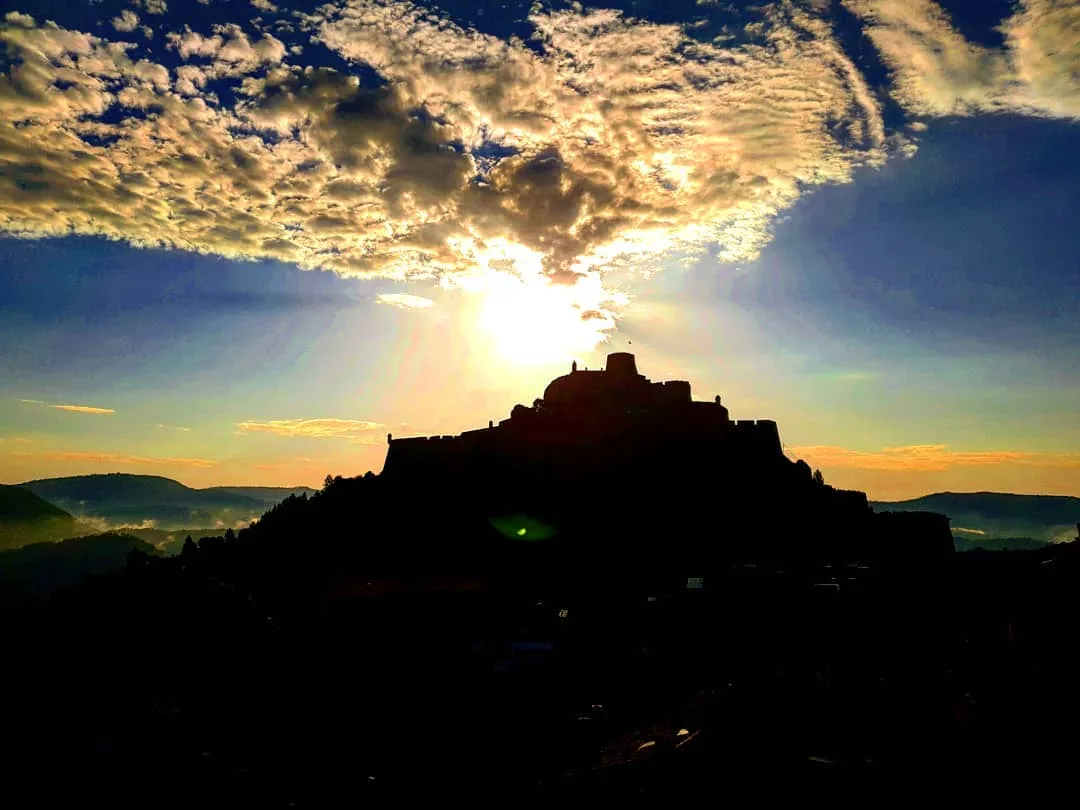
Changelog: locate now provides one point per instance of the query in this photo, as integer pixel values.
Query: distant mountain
(268, 495)
(34, 571)
(122, 500)
(987, 519)
(27, 518)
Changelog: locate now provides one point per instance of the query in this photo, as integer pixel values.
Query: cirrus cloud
(89, 409)
(404, 300)
(926, 457)
(939, 72)
(125, 458)
(84, 409)
(356, 431)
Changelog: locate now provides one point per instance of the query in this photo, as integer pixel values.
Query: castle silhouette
(612, 456)
(615, 408)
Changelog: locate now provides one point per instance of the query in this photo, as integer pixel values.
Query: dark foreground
(164, 685)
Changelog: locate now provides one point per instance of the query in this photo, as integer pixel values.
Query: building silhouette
(589, 419)
(640, 470)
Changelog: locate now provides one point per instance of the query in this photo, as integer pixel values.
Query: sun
(538, 321)
(520, 315)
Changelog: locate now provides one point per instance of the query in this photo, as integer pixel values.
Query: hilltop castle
(612, 456)
(615, 408)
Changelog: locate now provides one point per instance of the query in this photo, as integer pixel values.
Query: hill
(268, 495)
(167, 541)
(34, 571)
(121, 500)
(613, 554)
(27, 518)
(980, 543)
(979, 517)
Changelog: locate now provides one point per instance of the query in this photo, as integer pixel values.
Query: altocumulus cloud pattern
(385, 139)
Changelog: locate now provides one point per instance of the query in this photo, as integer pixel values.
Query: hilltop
(607, 472)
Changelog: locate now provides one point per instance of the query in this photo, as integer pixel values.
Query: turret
(622, 364)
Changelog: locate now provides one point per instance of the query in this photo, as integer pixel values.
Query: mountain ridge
(993, 516)
(129, 499)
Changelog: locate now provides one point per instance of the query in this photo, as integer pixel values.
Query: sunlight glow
(526, 318)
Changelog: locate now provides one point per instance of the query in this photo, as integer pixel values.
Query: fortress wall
(674, 390)
(710, 418)
(424, 455)
(758, 436)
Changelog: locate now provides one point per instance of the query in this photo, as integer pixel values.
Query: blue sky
(254, 250)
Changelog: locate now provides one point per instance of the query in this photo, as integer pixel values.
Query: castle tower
(621, 364)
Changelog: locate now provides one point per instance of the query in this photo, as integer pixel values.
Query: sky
(241, 242)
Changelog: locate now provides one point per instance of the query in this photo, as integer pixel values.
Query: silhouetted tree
(190, 549)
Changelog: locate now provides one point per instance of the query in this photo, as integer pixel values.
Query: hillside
(27, 518)
(997, 516)
(167, 541)
(121, 499)
(34, 571)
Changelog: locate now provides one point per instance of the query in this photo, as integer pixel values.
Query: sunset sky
(240, 242)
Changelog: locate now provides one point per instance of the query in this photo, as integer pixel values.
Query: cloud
(20, 19)
(603, 142)
(71, 408)
(264, 5)
(607, 141)
(230, 51)
(84, 409)
(1044, 54)
(356, 431)
(938, 72)
(968, 531)
(123, 459)
(126, 22)
(152, 6)
(174, 427)
(924, 458)
(404, 300)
